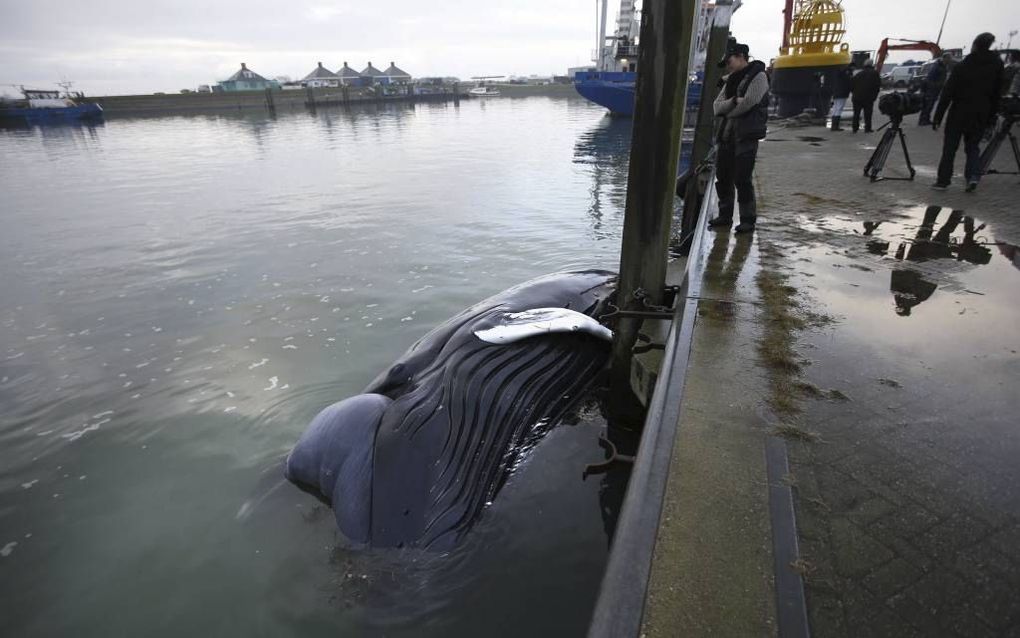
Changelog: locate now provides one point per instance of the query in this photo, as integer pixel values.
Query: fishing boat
(611, 82)
(47, 107)
(484, 91)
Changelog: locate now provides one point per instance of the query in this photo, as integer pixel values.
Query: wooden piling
(270, 105)
(667, 29)
(705, 127)
(309, 98)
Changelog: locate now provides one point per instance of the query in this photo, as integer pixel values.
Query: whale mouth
(515, 326)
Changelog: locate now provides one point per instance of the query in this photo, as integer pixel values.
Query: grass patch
(808, 389)
(836, 395)
(795, 433)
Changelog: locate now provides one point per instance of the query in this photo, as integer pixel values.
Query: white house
(320, 77)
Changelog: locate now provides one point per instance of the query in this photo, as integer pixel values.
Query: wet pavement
(889, 365)
(907, 490)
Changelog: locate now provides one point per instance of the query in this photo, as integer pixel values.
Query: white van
(900, 76)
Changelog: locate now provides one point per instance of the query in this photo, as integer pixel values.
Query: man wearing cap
(865, 87)
(743, 105)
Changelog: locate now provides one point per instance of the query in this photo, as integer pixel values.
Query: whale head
(333, 459)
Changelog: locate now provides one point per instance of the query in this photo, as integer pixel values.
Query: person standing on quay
(840, 93)
(933, 84)
(743, 103)
(971, 95)
(1011, 75)
(865, 87)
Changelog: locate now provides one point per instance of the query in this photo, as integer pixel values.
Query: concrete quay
(858, 358)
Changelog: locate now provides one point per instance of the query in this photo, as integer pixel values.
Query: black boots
(725, 218)
(835, 123)
(748, 216)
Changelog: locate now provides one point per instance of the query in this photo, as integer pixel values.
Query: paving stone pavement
(908, 496)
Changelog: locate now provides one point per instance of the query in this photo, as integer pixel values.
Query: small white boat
(484, 91)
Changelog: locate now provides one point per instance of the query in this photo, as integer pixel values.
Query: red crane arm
(907, 45)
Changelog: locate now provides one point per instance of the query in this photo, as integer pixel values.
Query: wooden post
(705, 127)
(667, 29)
(270, 105)
(310, 98)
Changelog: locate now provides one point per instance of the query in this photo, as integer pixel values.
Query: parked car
(901, 76)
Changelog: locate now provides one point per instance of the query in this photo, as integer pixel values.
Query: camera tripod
(988, 155)
(876, 163)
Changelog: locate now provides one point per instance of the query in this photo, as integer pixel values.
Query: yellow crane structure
(812, 51)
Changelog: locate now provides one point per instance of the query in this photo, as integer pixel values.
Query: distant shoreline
(254, 101)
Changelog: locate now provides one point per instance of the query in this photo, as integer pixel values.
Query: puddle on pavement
(810, 138)
(930, 263)
(925, 345)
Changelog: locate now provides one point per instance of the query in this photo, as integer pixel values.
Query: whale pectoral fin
(514, 326)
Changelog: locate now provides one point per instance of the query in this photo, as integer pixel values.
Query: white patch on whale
(514, 326)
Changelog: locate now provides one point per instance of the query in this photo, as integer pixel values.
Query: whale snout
(333, 459)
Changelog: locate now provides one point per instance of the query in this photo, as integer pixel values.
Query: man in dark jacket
(743, 105)
(840, 92)
(932, 86)
(865, 87)
(971, 95)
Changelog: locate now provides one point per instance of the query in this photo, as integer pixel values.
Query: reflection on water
(181, 296)
(606, 149)
(910, 287)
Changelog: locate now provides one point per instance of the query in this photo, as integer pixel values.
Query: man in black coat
(971, 95)
(840, 92)
(865, 87)
(743, 106)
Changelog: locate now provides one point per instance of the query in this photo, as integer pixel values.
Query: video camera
(897, 104)
(1009, 107)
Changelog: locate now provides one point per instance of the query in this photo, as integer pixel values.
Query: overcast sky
(142, 46)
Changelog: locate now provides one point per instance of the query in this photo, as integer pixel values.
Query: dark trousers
(931, 97)
(971, 136)
(734, 168)
(867, 108)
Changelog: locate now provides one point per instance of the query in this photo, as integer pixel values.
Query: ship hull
(75, 113)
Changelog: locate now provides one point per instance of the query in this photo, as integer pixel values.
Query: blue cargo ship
(46, 107)
(612, 79)
(615, 90)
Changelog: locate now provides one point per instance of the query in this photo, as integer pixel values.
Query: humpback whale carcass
(413, 459)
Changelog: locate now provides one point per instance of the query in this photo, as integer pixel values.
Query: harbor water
(181, 295)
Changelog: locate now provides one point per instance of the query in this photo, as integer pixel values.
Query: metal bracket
(646, 344)
(613, 457)
(616, 313)
(650, 310)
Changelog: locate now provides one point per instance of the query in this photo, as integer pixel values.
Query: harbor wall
(253, 100)
(250, 101)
